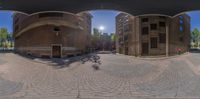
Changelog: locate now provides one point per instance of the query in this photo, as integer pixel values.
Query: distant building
(106, 44)
(52, 34)
(152, 35)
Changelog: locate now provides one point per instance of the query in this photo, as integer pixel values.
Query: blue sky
(6, 20)
(195, 19)
(104, 18)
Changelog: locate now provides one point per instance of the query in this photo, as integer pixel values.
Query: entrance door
(145, 48)
(56, 51)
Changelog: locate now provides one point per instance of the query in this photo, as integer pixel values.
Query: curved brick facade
(52, 34)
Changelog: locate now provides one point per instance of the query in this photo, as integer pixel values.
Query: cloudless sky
(104, 18)
(195, 19)
(6, 20)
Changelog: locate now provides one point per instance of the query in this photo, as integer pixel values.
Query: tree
(3, 36)
(196, 36)
(96, 38)
(113, 37)
(113, 40)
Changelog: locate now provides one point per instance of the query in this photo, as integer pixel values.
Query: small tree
(3, 36)
(96, 38)
(196, 36)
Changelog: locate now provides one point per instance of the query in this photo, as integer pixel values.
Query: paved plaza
(119, 77)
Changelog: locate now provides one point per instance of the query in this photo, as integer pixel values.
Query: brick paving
(119, 77)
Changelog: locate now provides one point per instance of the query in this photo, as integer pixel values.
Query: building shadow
(194, 50)
(60, 63)
(57, 63)
(66, 62)
(6, 51)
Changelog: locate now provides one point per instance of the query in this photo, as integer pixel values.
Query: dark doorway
(145, 48)
(126, 50)
(56, 51)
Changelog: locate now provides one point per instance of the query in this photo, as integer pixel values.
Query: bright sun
(101, 28)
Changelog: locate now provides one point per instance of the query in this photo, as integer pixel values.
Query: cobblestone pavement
(119, 77)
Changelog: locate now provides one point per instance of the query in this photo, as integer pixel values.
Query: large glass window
(154, 42)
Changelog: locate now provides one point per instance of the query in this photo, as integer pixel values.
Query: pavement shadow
(60, 63)
(8, 87)
(194, 50)
(57, 63)
(66, 62)
(6, 51)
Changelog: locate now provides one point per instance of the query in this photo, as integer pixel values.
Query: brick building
(152, 35)
(52, 34)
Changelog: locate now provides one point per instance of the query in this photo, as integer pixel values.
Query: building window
(181, 29)
(181, 17)
(162, 38)
(16, 27)
(145, 30)
(153, 26)
(181, 22)
(56, 29)
(127, 28)
(154, 42)
(126, 38)
(181, 39)
(52, 14)
(145, 19)
(162, 24)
